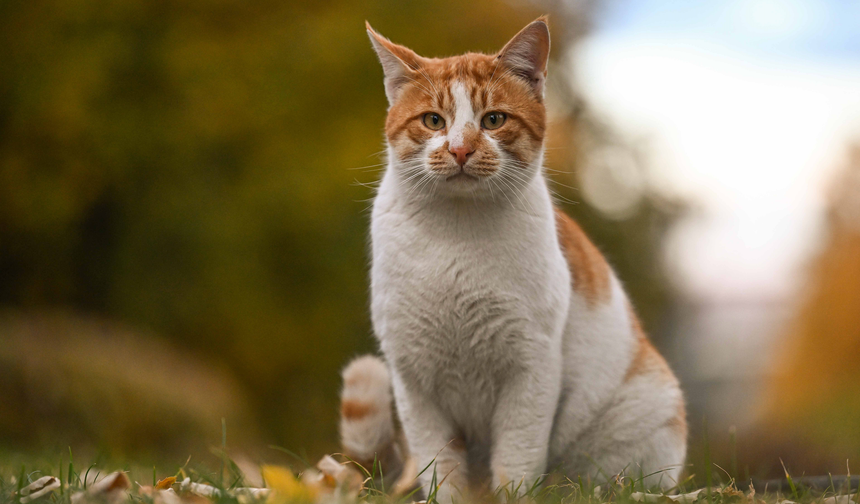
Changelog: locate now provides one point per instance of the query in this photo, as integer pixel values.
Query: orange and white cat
(509, 344)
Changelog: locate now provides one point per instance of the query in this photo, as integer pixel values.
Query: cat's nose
(461, 153)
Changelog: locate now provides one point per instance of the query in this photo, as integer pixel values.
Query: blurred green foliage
(189, 168)
(67, 380)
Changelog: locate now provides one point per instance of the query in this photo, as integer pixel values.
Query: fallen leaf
(682, 498)
(39, 488)
(731, 494)
(648, 497)
(250, 471)
(345, 477)
(285, 487)
(165, 483)
(842, 499)
(168, 496)
(110, 489)
(188, 486)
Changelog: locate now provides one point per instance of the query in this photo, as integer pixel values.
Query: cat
(509, 344)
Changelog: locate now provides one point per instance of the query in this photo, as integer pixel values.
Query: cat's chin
(463, 185)
(462, 176)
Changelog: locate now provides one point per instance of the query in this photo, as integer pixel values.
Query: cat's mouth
(461, 176)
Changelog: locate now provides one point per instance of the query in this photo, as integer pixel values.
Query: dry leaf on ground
(111, 489)
(39, 488)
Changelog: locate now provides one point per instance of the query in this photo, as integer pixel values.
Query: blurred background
(184, 194)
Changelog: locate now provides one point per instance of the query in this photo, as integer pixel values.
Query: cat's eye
(493, 120)
(433, 121)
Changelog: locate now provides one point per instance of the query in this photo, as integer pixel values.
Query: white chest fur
(465, 292)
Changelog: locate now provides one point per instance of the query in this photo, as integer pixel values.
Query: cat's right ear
(398, 63)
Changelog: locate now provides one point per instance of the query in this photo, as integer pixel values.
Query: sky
(743, 108)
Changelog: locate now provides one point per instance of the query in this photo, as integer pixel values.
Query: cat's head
(466, 125)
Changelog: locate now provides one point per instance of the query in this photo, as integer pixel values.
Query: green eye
(493, 120)
(433, 121)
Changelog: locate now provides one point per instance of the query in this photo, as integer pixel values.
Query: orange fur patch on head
(355, 410)
(589, 271)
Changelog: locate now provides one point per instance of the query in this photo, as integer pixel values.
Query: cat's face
(467, 125)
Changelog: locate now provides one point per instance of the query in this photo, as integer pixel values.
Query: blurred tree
(188, 168)
(811, 409)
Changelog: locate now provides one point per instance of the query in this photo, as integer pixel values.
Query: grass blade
(790, 481)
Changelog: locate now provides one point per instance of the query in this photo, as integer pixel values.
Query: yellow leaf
(165, 483)
(285, 487)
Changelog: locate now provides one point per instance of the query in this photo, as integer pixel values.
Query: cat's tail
(367, 430)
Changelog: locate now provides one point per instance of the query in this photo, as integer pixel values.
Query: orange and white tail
(367, 430)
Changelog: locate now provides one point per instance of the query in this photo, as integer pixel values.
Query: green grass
(225, 475)
(220, 472)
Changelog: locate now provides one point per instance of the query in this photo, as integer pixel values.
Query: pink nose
(461, 153)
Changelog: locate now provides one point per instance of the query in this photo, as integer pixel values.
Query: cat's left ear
(398, 63)
(527, 54)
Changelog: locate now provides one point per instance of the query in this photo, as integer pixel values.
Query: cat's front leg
(522, 424)
(434, 442)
